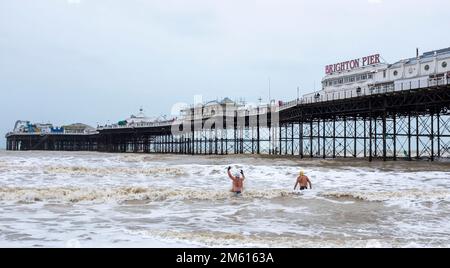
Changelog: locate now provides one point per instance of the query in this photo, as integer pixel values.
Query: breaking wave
(124, 194)
(68, 194)
(153, 171)
(238, 239)
(412, 194)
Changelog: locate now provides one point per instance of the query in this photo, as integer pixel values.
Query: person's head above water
(302, 173)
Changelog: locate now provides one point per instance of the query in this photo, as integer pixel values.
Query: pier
(410, 122)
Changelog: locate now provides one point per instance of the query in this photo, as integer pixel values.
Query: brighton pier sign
(352, 64)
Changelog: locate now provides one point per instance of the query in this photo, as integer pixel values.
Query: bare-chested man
(238, 181)
(303, 181)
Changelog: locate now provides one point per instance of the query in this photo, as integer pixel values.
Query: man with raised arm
(238, 181)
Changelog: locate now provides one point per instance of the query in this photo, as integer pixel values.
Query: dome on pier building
(140, 117)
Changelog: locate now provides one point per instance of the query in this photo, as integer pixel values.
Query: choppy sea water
(85, 199)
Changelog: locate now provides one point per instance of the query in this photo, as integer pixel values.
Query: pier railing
(368, 90)
(313, 98)
(137, 125)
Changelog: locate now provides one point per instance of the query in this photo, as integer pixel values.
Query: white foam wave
(122, 194)
(154, 194)
(153, 171)
(379, 196)
(238, 239)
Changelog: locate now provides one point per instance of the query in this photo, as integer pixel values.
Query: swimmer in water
(238, 181)
(303, 181)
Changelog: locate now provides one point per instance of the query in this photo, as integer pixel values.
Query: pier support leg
(279, 139)
(417, 138)
(252, 133)
(384, 136)
(409, 137)
(286, 139)
(216, 142)
(221, 140)
(334, 137)
(355, 137)
(438, 134)
(365, 137)
(292, 138)
(258, 137)
(323, 139)
(394, 134)
(235, 135)
(311, 139)
(242, 139)
(370, 139)
(432, 137)
(318, 138)
(192, 149)
(226, 141)
(375, 137)
(345, 137)
(300, 138)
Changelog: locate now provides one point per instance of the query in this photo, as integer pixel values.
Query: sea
(91, 199)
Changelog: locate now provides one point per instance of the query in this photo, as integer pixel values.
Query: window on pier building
(384, 73)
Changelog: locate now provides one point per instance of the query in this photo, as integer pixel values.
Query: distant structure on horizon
(22, 126)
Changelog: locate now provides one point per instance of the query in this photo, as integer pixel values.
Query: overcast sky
(66, 61)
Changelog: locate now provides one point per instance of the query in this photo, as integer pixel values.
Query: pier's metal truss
(412, 124)
(66, 142)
